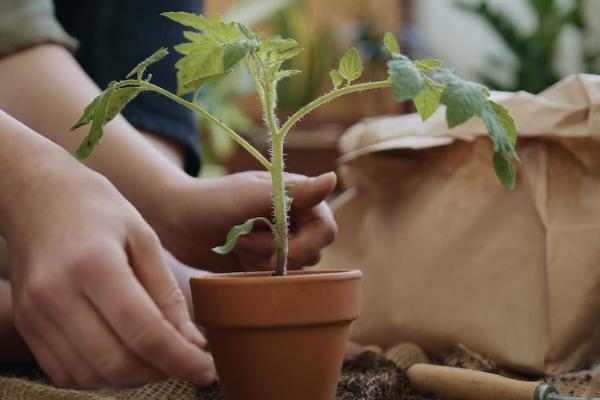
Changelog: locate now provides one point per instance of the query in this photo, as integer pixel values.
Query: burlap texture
(368, 377)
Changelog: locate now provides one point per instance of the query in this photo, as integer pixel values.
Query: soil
(369, 376)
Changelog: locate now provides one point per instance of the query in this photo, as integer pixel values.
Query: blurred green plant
(316, 59)
(536, 51)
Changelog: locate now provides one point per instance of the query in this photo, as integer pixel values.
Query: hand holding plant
(221, 47)
(201, 213)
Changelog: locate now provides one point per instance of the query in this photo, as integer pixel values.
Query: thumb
(308, 192)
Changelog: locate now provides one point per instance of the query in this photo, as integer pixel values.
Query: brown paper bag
(450, 256)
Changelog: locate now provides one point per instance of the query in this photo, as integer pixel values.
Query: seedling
(215, 48)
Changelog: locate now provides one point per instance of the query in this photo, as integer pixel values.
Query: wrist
(24, 174)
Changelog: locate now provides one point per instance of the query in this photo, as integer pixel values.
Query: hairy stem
(279, 206)
(326, 98)
(196, 108)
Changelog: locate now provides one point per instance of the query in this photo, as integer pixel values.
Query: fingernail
(209, 372)
(324, 179)
(193, 333)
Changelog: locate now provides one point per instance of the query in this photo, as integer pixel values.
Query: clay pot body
(276, 338)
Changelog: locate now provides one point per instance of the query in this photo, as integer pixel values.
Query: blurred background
(506, 44)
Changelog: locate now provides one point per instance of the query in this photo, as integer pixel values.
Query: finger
(316, 229)
(146, 258)
(259, 243)
(39, 302)
(141, 326)
(44, 356)
(249, 262)
(308, 192)
(97, 344)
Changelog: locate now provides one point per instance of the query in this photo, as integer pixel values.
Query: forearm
(22, 153)
(51, 98)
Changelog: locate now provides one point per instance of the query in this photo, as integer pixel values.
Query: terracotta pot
(278, 338)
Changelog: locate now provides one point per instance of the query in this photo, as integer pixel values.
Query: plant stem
(326, 98)
(196, 108)
(279, 206)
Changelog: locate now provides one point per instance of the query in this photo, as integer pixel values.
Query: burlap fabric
(368, 377)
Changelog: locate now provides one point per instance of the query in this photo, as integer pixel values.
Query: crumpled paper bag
(450, 256)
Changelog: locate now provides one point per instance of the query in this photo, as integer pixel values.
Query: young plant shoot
(215, 48)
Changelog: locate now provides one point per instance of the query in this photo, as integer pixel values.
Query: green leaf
(101, 110)
(202, 63)
(407, 81)
(235, 52)
(499, 122)
(351, 65)
(119, 99)
(206, 59)
(504, 170)
(88, 114)
(141, 67)
(502, 131)
(288, 200)
(428, 101)
(336, 78)
(236, 232)
(98, 120)
(429, 64)
(187, 19)
(195, 37)
(390, 44)
(463, 99)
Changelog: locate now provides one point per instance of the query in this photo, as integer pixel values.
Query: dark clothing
(114, 36)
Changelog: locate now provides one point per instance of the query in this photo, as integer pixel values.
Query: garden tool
(465, 384)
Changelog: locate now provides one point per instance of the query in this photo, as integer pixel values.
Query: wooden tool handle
(464, 384)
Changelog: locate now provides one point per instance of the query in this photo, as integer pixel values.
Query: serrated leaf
(504, 170)
(235, 52)
(390, 44)
(236, 232)
(195, 37)
(407, 81)
(98, 120)
(187, 19)
(141, 67)
(499, 122)
(246, 31)
(204, 62)
(429, 64)
(215, 28)
(336, 78)
(185, 48)
(88, 114)
(119, 99)
(351, 65)
(101, 110)
(463, 99)
(428, 101)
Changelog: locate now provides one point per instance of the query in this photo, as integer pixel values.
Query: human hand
(92, 295)
(203, 211)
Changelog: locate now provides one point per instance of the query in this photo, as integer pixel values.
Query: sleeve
(114, 37)
(27, 23)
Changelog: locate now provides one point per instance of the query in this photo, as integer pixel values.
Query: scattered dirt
(367, 377)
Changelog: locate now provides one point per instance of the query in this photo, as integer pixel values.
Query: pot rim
(241, 278)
